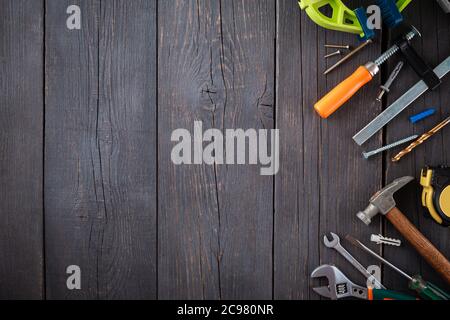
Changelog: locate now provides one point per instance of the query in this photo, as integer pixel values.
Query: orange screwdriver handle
(343, 92)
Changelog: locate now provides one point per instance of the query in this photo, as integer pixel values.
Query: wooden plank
(21, 141)
(216, 63)
(297, 191)
(434, 47)
(100, 181)
(329, 182)
(347, 180)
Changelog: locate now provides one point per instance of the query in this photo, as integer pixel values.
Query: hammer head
(383, 201)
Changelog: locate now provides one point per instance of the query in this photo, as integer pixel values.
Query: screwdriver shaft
(368, 250)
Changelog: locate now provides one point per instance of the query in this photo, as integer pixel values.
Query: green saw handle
(380, 294)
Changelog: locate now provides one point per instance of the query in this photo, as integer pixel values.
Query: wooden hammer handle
(425, 248)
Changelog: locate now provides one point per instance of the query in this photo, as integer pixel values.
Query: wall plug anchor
(387, 86)
(379, 239)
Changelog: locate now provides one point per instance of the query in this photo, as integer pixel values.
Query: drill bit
(421, 140)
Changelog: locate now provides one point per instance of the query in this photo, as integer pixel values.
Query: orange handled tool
(345, 90)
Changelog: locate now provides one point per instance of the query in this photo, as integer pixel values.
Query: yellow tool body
(436, 193)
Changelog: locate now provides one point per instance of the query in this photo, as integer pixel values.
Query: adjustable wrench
(335, 243)
(339, 287)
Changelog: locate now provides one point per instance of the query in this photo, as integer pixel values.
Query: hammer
(383, 202)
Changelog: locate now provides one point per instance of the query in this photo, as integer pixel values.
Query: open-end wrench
(335, 243)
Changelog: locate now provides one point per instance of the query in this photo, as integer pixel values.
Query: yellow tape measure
(436, 193)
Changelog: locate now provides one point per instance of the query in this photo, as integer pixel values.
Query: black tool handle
(419, 65)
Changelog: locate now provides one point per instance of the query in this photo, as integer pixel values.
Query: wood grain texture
(434, 46)
(347, 180)
(112, 201)
(100, 157)
(216, 63)
(421, 244)
(324, 179)
(21, 149)
(297, 189)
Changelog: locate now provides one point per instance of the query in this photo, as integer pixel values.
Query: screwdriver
(363, 75)
(425, 289)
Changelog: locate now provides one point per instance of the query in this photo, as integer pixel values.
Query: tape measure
(436, 193)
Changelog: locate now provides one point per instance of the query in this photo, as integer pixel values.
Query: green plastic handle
(341, 18)
(428, 290)
(380, 294)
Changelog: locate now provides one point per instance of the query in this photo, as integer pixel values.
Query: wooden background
(85, 169)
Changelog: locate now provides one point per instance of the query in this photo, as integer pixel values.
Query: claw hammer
(383, 203)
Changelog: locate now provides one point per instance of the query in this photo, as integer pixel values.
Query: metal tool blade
(325, 292)
(335, 244)
(398, 106)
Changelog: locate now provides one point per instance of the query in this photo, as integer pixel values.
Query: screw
(333, 54)
(348, 56)
(369, 154)
(337, 46)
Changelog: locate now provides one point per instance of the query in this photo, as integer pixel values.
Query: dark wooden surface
(216, 65)
(435, 47)
(85, 136)
(100, 142)
(21, 149)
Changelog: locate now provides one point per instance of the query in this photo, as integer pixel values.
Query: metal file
(398, 106)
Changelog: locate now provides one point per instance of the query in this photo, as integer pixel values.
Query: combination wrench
(335, 243)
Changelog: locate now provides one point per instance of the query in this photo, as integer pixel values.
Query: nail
(333, 54)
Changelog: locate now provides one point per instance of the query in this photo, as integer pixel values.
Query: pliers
(339, 287)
